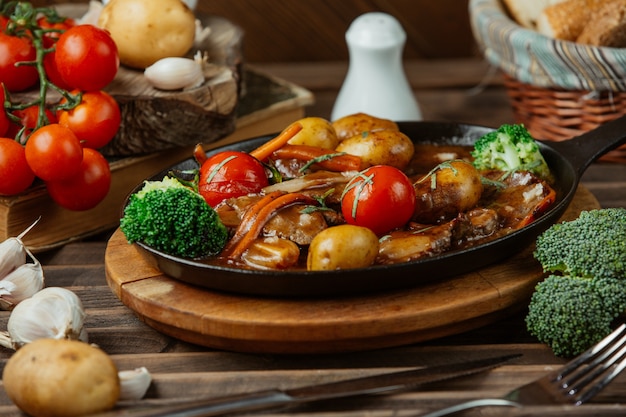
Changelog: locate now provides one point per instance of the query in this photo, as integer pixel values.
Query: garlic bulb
(53, 312)
(22, 283)
(177, 73)
(13, 252)
(134, 384)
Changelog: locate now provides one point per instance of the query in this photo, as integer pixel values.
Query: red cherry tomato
(28, 118)
(15, 49)
(380, 198)
(230, 174)
(15, 174)
(86, 57)
(54, 153)
(95, 120)
(87, 188)
(5, 123)
(49, 39)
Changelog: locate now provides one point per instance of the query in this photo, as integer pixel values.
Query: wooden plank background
(314, 30)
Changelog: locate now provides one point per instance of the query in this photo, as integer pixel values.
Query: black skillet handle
(582, 150)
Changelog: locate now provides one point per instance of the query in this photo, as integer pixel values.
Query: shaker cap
(375, 30)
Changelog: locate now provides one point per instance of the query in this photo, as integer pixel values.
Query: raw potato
(355, 124)
(316, 131)
(147, 30)
(61, 378)
(342, 247)
(380, 147)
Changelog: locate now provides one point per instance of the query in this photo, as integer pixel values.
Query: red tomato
(54, 153)
(380, 198)
(95, 120)
(4, 119)
(230, 174)
(15, 174)
(61, 27)
(15, 49)
(28, 118)
(87, 188)
(86, 57)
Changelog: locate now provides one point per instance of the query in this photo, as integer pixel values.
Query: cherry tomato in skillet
(230, 174)
(15, 174)
(95, 120)
(15, 49)
(54, 153)
(86, 57)
(88, 187)
(380, 198)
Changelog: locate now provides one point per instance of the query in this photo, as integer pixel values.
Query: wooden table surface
(458, 90)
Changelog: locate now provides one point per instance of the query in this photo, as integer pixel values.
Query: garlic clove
(13, 252)
(22, 283)
(134, 384)
(53, 312)
(176, 73)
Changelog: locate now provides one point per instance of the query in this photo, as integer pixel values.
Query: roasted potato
(355, 124)
(342, 247)
(380, 147)
(316, 131)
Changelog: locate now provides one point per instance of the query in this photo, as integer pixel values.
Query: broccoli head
(510, 148)
(592, 245)
(571, 314)
(170, 217)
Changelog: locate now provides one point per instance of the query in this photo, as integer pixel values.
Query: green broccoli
(571, 314)
(170, 217)
(575, 309)
(510, 148)
(593, 245)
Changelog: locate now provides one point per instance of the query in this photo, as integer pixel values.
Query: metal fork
(575, 383)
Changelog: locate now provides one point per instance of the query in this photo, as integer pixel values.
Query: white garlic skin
(12, 255)
(53, 312)
(175, 73)
(134, 384)
(22, 283)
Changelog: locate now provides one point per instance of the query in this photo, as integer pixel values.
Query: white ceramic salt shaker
(375, 83)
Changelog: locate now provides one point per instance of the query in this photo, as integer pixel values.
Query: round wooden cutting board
(362, 322)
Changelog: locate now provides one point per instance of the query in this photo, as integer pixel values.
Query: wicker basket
(557, 89)
(556, 114)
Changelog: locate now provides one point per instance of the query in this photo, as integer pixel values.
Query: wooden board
(363, 322)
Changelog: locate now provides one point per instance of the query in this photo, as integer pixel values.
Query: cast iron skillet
(567, 160)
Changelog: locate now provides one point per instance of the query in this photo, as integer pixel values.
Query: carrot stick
(264, 214)
(248, 218)
(264, 151)
(334, 161)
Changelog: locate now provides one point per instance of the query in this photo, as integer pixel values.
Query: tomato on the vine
(14, 49)
(87, 188)
(381, 198)
(15, 174)
(54, 153)
(230, 174)
(49, 40)
(28, 119)
(95, 121)
(86, 57)
(4, 119)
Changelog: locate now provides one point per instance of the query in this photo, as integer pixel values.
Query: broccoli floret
(593, 245)
(510, 148)
(172, 218)
(571, 314)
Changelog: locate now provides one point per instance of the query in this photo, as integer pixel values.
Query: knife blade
(274, 398)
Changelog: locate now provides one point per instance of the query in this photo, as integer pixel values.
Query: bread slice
(526, 12)
(566, 20)
(607, 26)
